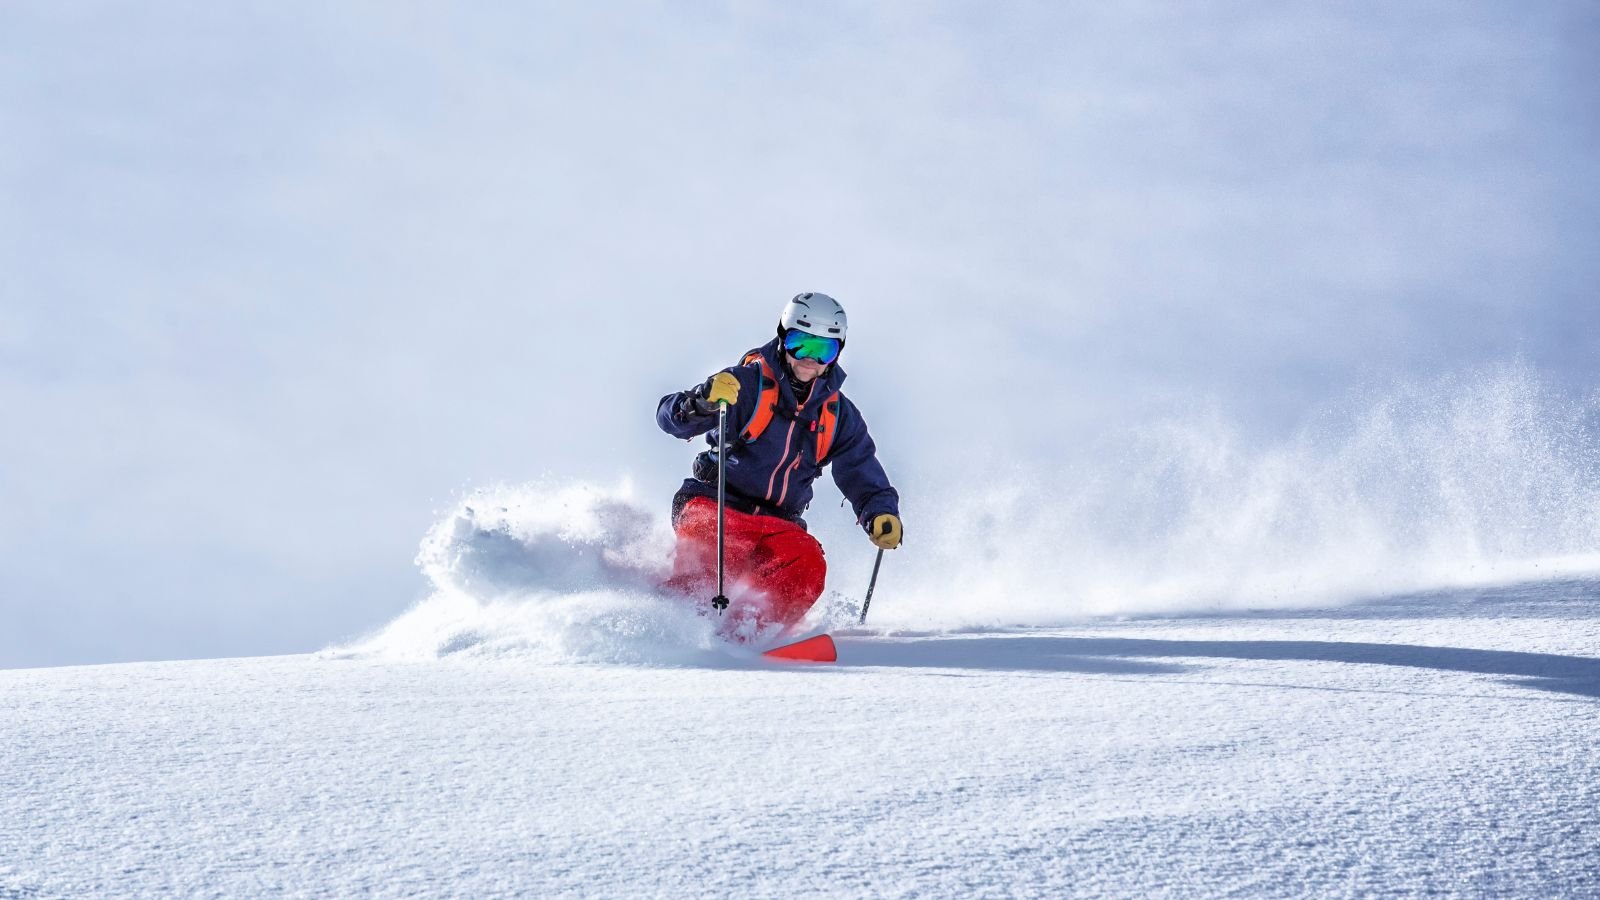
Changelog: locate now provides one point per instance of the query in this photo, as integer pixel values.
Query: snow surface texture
(1434, 744)
(546, 722)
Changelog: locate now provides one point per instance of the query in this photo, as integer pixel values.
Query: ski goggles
(801, 345)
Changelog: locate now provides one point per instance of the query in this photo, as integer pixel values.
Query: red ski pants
(771, 564)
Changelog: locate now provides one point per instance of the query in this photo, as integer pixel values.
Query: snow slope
(1171, 718)
(1442, 743)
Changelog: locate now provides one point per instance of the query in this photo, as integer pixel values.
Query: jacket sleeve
(856, 469)
(677, 416)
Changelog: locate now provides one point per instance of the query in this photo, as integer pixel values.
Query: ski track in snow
(1440, 743)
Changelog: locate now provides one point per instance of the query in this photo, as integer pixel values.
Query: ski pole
(870, 585)
(720, 601)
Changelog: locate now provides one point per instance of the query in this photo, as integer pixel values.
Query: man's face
(805, 369)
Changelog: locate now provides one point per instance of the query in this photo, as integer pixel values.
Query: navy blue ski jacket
(773, 474)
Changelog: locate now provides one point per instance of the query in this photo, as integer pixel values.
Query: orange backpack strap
(827, 425)
(766, 403)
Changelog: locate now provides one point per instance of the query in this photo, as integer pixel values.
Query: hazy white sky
(278, 279)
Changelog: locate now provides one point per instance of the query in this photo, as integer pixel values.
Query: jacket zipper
(792, 466)
(788, 441)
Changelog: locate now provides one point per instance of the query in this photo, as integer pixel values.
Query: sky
(280, 281)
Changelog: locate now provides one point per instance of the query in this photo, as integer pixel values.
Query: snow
(1432, 743)
(1360, 664)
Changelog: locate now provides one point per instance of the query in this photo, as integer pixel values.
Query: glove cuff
(695, 405)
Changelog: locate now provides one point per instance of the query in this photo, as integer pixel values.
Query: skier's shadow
(1578, 675)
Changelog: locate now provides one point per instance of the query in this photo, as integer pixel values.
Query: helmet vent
(817, 313)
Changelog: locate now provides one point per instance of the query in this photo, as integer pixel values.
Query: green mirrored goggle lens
(812, 346)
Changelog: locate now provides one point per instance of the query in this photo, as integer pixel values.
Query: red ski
(818, 649)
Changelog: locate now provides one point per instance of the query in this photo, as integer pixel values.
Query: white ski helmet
(814, 313)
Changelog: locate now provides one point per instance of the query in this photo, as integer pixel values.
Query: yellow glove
(885, 531)
(722, 387)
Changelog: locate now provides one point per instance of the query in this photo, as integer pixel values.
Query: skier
(786, 420)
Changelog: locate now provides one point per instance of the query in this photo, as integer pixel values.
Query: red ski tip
(812, 649)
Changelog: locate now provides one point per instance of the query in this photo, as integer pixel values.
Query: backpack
(827, 423)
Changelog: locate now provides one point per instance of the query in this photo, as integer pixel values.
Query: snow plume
(1466, 481)
(546, 571)
(1459, 482)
